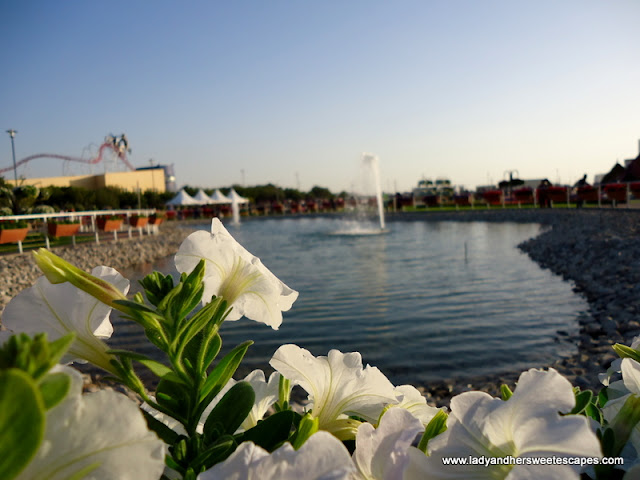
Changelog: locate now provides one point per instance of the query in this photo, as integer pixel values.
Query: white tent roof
(235, 197)
(219, 197)
(182, 198)
(203, 198)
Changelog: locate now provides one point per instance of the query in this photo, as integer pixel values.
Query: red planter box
(63, 229)
(588, 194)
(138, 222)
(155, 221)
(13, 235)
(492, 197)
(109, 225)
(616, 191)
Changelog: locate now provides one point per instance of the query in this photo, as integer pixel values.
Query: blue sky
(293, 92)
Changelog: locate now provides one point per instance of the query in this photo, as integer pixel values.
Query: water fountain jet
(362, 225)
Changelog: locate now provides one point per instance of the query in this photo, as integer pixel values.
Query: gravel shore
(597, 250)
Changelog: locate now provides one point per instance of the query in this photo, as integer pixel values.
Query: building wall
(152, 179)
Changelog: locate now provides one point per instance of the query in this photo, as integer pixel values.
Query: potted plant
(109, 224)
(138, 221)
(156, 219)
(63, 228)
(12, 231)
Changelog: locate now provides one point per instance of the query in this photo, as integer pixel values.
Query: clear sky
(292, 92)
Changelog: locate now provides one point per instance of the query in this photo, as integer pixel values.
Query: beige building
(148, 179)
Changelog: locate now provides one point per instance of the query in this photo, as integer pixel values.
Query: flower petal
(80, 434)
(337, 384)
(413, 401)
(382, 453)
(322, 457)
(62, 308)
(631, 375)
(266, 395)
(235, 274)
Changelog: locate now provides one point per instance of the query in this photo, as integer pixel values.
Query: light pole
(12, 134)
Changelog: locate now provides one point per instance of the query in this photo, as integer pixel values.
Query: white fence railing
(91, 226)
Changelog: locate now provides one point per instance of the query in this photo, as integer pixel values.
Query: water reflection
(410, 301)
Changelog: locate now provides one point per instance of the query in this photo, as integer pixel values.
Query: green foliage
(63, 221)
(191, 378)
(308, 426)
(33, 355)
(12, 225)
(227, 416)
(321, 192)
(505, 392)
(27, 391)
(435, 427)
(271, 432)
(20, 199)
(22, 421)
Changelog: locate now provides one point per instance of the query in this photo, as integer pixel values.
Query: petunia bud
(58, 271)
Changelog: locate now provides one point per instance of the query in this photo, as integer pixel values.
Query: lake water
(425, 301)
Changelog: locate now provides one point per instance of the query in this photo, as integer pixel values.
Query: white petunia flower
(103, 434)
(62, 308)
(266, 395)
(337, 385)
(412, 400)
(619, 393)
(236, 275)
(322, 457)
(527, 425)
(381, 453)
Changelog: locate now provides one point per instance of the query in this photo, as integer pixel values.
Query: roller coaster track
(91, 161)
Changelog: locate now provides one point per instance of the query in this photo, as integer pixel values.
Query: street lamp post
(12, 134)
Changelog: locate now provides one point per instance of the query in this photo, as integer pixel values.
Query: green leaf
(435, 427)
(195, 324)
(583, 400)
(156, 287)
(505, 391)
(272, 431)
(307, 427)
(167, 435)
(33, 355)
(626, 352)
(608, 441)
(174, 397)
(59, 347)
(22, 421)
(184, 297)
(603, 397)
(213, 348)
(127, 354)
(221, 374)
(53, 388)
(594, 412)
(159, 369)
(136, 307)
(227, 416)
(216, 453)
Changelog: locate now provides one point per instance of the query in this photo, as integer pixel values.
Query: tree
(321, 192)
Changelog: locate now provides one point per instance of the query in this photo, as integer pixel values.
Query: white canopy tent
(237, 198)
(203, 198)
(219, 197)
(183, 198)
